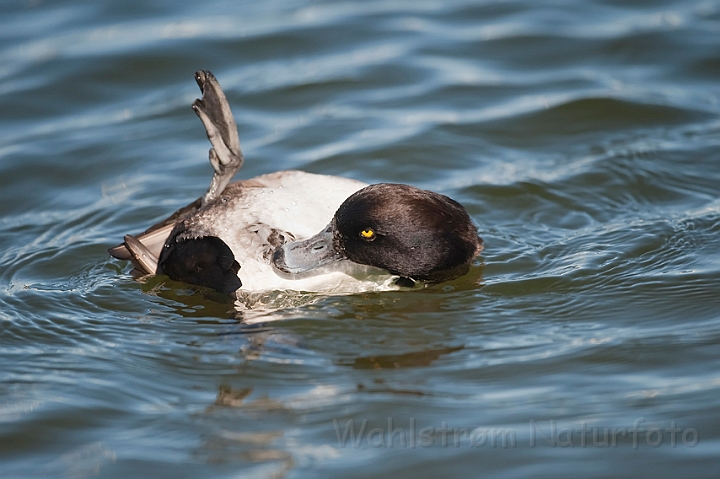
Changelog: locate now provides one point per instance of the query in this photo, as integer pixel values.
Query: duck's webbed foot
(214, 111)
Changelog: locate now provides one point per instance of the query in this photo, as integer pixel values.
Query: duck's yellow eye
(367, 233)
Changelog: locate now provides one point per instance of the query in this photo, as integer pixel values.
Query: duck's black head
(407, 231)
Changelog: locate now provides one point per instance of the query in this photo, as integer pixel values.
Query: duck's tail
(144, 249)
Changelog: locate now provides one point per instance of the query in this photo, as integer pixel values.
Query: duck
(296, 231)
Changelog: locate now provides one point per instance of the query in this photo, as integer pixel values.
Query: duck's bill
(318, 255)
(308, 257)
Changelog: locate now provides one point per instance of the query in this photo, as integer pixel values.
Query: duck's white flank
(294, 204)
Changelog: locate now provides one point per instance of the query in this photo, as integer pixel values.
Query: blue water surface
(583, 137)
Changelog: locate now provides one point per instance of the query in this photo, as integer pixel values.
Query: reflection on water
(406, 360)
(86, 461)
(253, 307)
(226, 446)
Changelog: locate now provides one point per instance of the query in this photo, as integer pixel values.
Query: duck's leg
(144, 259)
(214, 111)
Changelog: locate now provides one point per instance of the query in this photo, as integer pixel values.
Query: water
(583, 138)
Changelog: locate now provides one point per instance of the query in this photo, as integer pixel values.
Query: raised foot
(215, 114)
